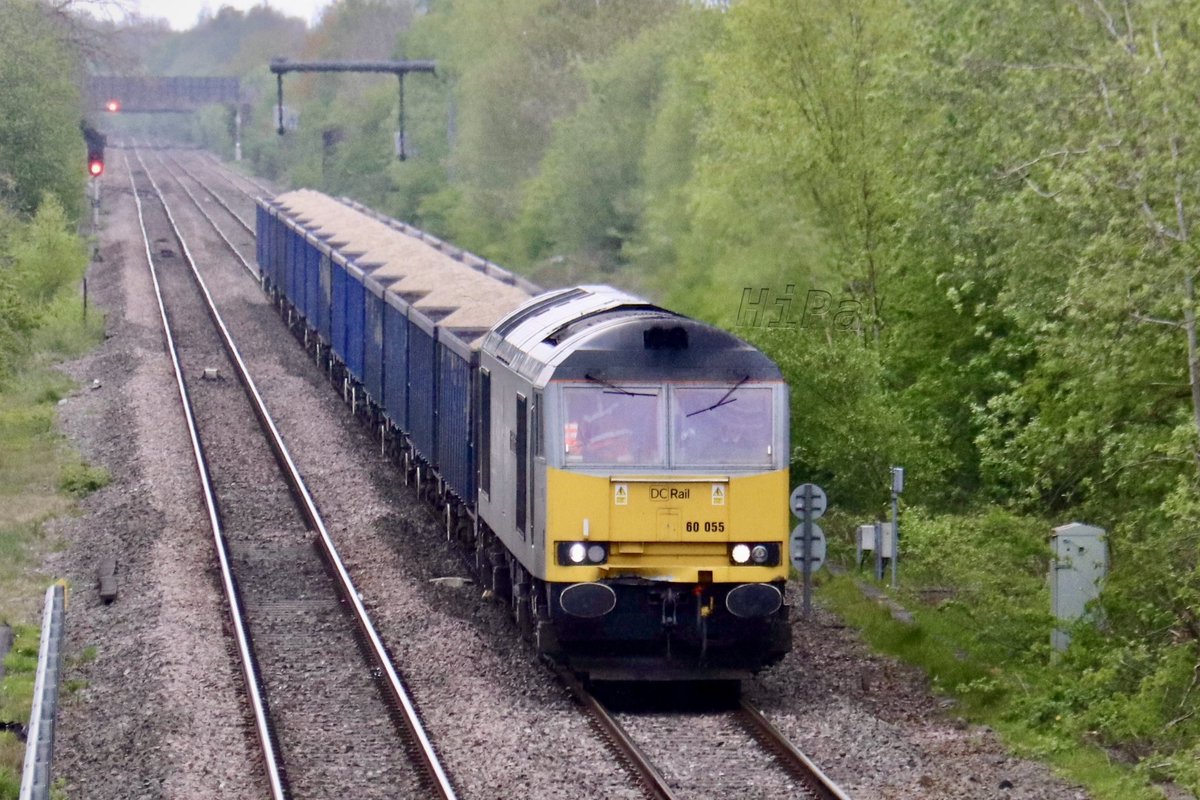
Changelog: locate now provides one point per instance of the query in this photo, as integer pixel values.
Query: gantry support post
(280, 66)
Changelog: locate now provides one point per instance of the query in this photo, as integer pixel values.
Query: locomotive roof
(598, 332)
(459, 298)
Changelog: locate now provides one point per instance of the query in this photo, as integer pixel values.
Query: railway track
(723, 749)
(295, 633)
(242, 216)
(669, 754)
(234, 177)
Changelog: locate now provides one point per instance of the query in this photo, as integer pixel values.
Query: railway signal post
(95, 170)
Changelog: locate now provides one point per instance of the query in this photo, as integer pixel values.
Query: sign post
(878, 551)
(897, 488)
(808, 503)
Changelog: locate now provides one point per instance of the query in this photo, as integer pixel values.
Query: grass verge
(981, 683)
(16, 697)
(41, 478)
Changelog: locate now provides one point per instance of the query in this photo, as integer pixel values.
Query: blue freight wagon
(402, 312)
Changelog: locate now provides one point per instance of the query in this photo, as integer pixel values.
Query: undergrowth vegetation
(42, 323)
(16, 696)
(976, 585)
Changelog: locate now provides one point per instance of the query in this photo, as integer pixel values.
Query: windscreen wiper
(619, 390)
(725, 398)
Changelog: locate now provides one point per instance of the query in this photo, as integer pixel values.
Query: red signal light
(113, 105)
(95, 167)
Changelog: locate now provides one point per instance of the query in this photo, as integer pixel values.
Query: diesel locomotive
(616, 472)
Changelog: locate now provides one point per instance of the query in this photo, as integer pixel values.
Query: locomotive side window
(539, 449)
(536, 451)
(609, 424)
(722, 426)
(522, 443)
(485, 431)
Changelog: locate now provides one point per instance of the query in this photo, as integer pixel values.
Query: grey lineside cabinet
(1077, 571)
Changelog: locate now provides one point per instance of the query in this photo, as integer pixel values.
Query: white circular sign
(816, 553)
(819, 501)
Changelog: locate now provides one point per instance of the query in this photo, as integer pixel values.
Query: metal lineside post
(95, 186)
(895, 540)
(897, 488)
(279, 92)
(39, 746)
(400, 75)
(808, 550)
(878, 550)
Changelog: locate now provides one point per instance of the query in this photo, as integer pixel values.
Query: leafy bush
(47, 257)
(995, 563)
(41, 263)
(81, 479)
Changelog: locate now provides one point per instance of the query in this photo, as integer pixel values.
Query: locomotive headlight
(761, 554)
(582, 553)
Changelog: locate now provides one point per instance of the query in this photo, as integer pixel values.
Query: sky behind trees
(182, 14)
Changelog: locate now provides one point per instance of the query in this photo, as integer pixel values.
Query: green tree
(671, 148)
(41, 149)
(515, 67)
(1082, 282)
(585, 204)
(1103, 156)
(797, 170)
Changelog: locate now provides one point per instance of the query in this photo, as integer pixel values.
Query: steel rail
(266, 190)
(220, 200)
(795, 762)
(250, 669)
(196, 202)
(644, 772)
(394, 685)
(815, 783)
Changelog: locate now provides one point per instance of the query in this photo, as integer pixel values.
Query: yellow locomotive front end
(667, 525)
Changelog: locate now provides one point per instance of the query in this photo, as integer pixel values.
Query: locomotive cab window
(722, 426)
(614, 424)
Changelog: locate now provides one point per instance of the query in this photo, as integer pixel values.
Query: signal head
(113, 106)
(96, 167)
